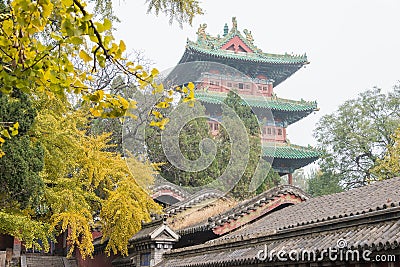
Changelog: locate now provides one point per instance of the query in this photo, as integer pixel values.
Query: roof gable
(155, 230)
(237, 45)
(164, 233)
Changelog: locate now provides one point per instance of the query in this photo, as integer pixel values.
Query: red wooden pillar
(290, 179)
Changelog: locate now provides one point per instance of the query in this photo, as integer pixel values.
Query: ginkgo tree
(87, 185)
(81, 183)
(389, 166)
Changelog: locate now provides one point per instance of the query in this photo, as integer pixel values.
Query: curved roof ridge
(206, 193)
(261, 101)
(246, 206)
(168, 185)
(296, 146)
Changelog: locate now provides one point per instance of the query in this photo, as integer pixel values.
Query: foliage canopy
(69, 178)
(356, 137)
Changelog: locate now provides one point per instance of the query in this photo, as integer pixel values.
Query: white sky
(352, 45)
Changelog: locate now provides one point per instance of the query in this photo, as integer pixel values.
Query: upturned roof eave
(277, 104)
(292, 151)
(274, 59)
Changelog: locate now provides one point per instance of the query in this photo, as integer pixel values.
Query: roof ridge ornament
(249, 36)
(226, 29)
(201, 32)
(234, 24)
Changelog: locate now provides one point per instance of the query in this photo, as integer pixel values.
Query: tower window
(216, 126)
(213, 82)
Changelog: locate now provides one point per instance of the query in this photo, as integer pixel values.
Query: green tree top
(357, 136)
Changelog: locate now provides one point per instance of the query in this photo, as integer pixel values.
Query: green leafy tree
(190, 137)
(197, 130)
(357, 135)
(270, 178)
(111, 125)
(323, 183)
(21, 184)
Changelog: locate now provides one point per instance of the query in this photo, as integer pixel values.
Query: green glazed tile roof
(289, 151)
(256, 56)
(212, 45)
(273, 103)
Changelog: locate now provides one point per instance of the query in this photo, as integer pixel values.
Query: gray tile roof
(380, 236)
(244, 208)
(379, 195)
(366, 218)
(205, 194)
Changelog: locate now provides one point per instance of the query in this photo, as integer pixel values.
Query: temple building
(283, 227)
(255, 77)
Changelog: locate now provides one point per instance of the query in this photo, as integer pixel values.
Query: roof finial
(234, 24)
(226, 29)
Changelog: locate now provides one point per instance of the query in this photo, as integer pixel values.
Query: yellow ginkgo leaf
(157, 114)
(5, 133)
(85, 56)
(122, 46)
(154, 72)
(190, 86)
(162, 105)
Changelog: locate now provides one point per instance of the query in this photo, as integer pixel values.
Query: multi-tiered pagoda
(262, 72)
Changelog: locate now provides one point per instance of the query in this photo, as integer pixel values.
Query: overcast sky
(352, 45)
